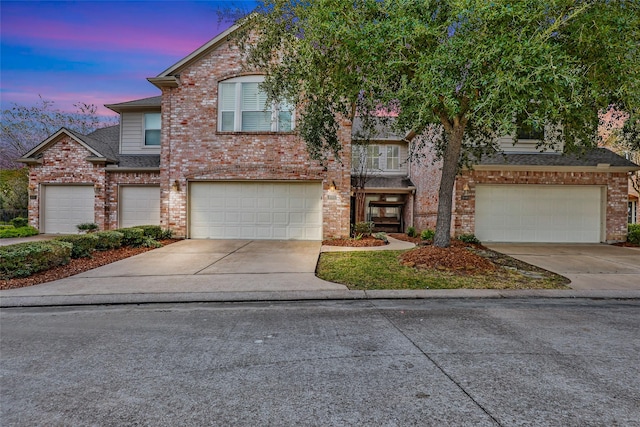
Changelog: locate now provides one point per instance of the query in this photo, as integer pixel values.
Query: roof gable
(44, 145)
(169, 77)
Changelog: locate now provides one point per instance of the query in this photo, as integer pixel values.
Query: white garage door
(538, 213)
(139, 206)
(66, 206)
(256, 210)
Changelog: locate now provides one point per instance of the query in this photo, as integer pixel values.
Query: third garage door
(256, 210)
(538, 213)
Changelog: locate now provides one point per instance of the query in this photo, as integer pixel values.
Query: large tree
(468, 67)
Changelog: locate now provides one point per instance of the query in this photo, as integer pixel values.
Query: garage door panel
(530, 213)
(139, 205)
(257, 210)
(66, 206)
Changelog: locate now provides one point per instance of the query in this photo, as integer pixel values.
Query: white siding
(132, 135)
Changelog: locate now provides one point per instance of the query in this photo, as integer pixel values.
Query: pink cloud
(60, 34)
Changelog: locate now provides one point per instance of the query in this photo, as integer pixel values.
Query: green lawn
(365, 270)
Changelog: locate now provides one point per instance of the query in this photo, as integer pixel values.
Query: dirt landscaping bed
(78, 265)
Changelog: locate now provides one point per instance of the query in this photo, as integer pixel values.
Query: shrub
(87, 227)
(634, 234)
(469, 238)
(83, 244)
(427, 234)
(167, 233)
(133, 236)
(364, 228)
(19, 222)
(148, 242)
(25, 259)
(18, 232)
(381, 236)
(108, 240)
(153, 231)
(411, 232)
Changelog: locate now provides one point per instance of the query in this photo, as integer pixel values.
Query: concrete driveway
(193, 266)
(589, 266)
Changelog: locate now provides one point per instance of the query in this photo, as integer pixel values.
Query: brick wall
(193, 149)
(64, 162)
(616, 198)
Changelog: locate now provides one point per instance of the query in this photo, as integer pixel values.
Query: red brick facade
(65, 162)
(616, 195)
(194, 150)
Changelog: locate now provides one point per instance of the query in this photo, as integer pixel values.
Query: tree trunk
(360, 205)
(442, 237)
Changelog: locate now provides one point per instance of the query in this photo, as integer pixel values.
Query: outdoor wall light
(176, 185)
(332, 187)
(466, 194)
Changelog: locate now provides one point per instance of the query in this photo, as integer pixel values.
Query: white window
(152, 129)
(242, 107)
(393, 157)
(632, 211)
(384, 158)
(373, 157)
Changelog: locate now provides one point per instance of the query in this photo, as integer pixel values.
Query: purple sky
(98, 52)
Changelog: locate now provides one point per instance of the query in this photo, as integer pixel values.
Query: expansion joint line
(439, 367)
(218, 260)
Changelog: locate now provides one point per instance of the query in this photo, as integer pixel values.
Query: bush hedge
(427, 234)
(83, 244)
(133, 236)
(634, 234)
(25, 259)
(108, 240)
(153, 231)
(469, 238)
(18, 232)
(19, 222)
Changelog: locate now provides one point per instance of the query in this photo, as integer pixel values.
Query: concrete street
(552, 362)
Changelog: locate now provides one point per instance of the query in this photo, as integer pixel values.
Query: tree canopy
(468, 66)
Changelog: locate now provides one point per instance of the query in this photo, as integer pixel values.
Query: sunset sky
(98, 52)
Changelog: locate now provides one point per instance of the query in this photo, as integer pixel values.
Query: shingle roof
(139, 161)
(592, 157)
(382, 130)
(152, 102)
(389, 182)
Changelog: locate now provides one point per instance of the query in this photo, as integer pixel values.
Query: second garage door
(256, 210)
(538, 213)
(139, 205)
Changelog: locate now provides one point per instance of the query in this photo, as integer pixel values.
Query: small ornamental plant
(87, 227)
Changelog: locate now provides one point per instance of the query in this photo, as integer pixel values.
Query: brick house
(209, 159)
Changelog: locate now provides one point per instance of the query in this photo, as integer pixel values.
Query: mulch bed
(454, 258)
(365, 242)
(76, 266)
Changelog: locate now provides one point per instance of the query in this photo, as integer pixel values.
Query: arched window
(242, 107)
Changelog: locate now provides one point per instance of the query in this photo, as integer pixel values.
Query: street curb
(275, 296)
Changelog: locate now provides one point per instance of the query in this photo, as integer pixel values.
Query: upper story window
(242, 107)
(385, 158)
(152, 129)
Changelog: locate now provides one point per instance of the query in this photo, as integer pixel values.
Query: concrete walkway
(588, 266)
(246, 270)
